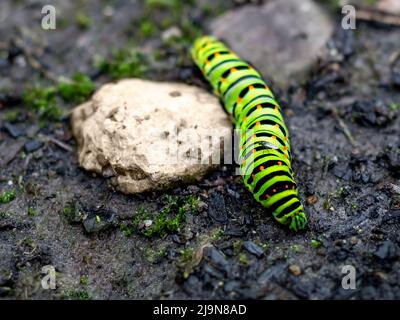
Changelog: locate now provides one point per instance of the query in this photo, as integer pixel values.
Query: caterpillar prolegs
(265, 149)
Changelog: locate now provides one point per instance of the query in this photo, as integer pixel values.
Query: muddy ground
(345, 128)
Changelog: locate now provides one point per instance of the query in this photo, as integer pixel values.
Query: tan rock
(150, 135)
(295, 269)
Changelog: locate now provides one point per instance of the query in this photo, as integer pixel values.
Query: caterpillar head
(296, 221)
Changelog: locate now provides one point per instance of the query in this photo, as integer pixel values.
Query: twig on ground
(32, 61)
(344, 127)
(57, 142)
(374, 15)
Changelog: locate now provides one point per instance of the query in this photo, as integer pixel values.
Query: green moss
(370, 2)
(163, 224)
(8, 196)
(84, 280)
(147, 28)
(296, 248)
(62, 22)
(186, 255)
(28, 242)
(77, 90)
(68, 211)
(334, 5)
(167, 22)
(11, 116)
(125, 63)
(3, 215)
(127, 229)
(76, 295)
(43, 101)
(187, 261)
(218, 234)
(327, 205)
(192, 203)
(32, 212)
(130, 227)
(82, 20)
(155, 255)
(174, 4)
(243, 259)
(171, 217)
(394, 106)
(169, 220)
(237, 247)
(316, 243)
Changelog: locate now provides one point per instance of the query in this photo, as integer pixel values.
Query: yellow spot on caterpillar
(259, 106)
(261, 168)
(273, 137)
(274, 190)
(217, 54)
(239, 100)
(251, 87)
(223, 79)
(258, 123)
(276, 108)
(233, 70)
(254, 150)
(279, 163)
(277, 126)
(254, 136)
(285, 148)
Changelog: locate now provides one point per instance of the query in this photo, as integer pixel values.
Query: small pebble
(145, 224)
(295, 269)
(252, 248)
(353, 240)
(202, 206)
(108, 11)
(312, 199)
(172, 32)
(33, 145)
(14, 131)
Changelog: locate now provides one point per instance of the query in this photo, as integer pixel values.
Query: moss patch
(7, 196)
(170, 219)
(124, 63)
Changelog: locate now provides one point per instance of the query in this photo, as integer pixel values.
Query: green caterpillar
(265, 148)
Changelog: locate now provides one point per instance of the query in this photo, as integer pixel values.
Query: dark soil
(229, 247)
